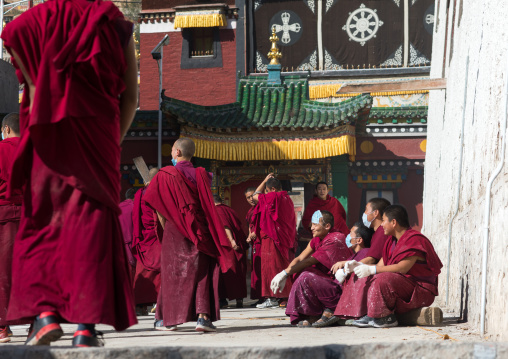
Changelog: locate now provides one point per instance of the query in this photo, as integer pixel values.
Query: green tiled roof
(265, 106)
(414, 112)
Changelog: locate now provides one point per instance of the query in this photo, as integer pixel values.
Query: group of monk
(68, 255)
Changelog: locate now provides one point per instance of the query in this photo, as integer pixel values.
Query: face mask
(365, 221)
(174, 162)
(348, 240)
(3, 136)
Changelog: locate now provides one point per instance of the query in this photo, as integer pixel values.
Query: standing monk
(76, 59)
(10, 212)
(126, 224)
(255, 274)
(146, 248)
(194, 242)
(276, 228)
(233, 284)
(322, 201)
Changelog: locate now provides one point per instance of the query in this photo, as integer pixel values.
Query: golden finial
(274, 55)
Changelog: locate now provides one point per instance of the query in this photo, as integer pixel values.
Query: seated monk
(275, 224)
(372, 218)
(233, 283)
(314, 289)
(404, 279)
(322, 201)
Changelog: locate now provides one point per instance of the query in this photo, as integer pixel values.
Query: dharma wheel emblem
(290, 32)
(362, 24)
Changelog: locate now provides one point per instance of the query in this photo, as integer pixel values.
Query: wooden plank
(414, 85)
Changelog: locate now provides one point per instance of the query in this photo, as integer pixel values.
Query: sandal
(304, 324)
(325, 321)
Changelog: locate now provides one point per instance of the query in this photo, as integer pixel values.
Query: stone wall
(478, 33)
(9, 88)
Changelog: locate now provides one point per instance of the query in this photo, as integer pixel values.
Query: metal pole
(159, 139)
(1, 29)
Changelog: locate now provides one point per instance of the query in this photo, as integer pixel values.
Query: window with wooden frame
(201, 42)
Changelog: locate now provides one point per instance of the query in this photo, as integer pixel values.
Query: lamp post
(157, 55)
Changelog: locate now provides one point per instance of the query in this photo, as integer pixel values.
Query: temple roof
(268, 107)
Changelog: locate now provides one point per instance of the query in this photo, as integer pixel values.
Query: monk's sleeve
(331, 252)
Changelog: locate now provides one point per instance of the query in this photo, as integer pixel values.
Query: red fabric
(377, 243)
(125, 219)
(329, 250)
(146, 246)
(275, 216)
(70, 142)
(358, 256)
(413, 243)
(272, 263)
(332, 205)
(192, 210)
(255, 274)
(233, 284)
(7, 154)
(146, 285)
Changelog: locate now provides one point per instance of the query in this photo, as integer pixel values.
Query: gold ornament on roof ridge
(274, 55)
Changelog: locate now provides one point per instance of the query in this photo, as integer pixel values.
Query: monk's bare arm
(28, 80)
(369, 260)
(229, 234)
(162, 220)
(301, 262)
(402, 267)
(129, 98)
(261, 187)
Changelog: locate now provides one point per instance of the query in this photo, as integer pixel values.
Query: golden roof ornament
(274, 55)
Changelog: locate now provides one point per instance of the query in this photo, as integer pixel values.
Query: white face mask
(365, 221)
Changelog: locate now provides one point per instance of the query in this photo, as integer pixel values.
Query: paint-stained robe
(194, 243)
(66, 253)
(315, 289)
(233, 284)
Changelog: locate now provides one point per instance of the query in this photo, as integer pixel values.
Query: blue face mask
(174, 162)
(3, 136)
(348, 240)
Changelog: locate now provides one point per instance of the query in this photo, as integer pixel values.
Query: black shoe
(45, 330)
(86, 338)
(363, 322)
(223, 303)
(385, 322)
(205, 325)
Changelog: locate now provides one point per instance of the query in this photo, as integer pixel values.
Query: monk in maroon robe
(233, 283)
(404, 279)
(372, 218)
(275, 224)
(314, 289)
(194, 242)
(10, 212)
(125, 219)
(322, 201)
(255, 275)
(78, 66)
(146, 248)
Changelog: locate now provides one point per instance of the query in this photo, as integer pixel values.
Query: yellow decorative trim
(275, 150)
(324, 91)
(200, 20)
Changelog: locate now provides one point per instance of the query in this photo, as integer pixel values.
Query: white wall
(480, 32)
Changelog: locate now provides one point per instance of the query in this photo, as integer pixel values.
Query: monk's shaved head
(186, 146)
(12, 120)
(152, 173)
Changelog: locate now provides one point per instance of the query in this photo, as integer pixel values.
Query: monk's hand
(340, 276)
(270, 175)
(337, 266)
(350, 266)
(278, 282)
(365, 271)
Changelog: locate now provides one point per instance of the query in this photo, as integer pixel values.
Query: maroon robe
(377, 243)
(314, 288)
(385, 293)
(10, 212)
(332, 205)
(275, 225)
(194, 243)
(66, 251)
(255, 274)
(233, 284)
(125, 219)
(146, 248)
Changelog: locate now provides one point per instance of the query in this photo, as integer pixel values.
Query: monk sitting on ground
(404, 279)
(322, 201)
(275, 224)
(233, 283)
(314, 289)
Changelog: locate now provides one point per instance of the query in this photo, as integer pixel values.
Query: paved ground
(250, 327)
